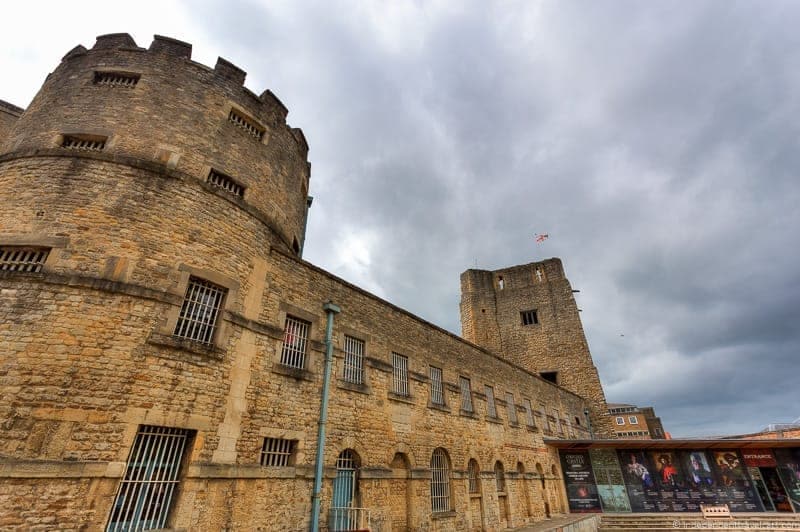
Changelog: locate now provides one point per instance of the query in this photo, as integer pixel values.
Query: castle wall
(9, 114)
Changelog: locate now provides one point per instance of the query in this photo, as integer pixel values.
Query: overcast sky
(655, 142)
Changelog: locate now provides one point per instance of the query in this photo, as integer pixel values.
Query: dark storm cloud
(656, 142)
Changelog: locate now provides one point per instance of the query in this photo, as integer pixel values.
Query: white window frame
(620, 420)
(633, 420)
(400, 375)
(437, 386)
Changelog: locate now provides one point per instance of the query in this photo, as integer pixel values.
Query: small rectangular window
(511, 407)
(633, 420)
(277, 452)
(529, 317)
(491, 408)
(529, 413)
(400, 374)
(116, 79)
(466, 394)
(620, 420)
(199, 312)
(246, 124)
(225, 182)
(295, 340)
(84, 142)
(437, 393)
(22, 259)
(353, 360)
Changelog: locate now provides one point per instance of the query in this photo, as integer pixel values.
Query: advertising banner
(581, 488)
(759, 458)
(789, 472)
(610, 484)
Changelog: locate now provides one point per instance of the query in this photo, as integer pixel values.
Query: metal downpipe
(331, 311)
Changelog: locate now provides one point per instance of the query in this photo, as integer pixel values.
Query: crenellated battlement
(158, 105)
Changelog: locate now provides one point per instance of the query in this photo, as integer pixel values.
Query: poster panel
(734, 487)
(610, 484)
(581, 488)
(789, 471)
(642, 491)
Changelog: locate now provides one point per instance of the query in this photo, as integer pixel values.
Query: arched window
(472, 475)
(440, 481)
(500, 477)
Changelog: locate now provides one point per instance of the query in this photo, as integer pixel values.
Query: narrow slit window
(246, 124)
(491, 408)
(437, 391)
(353, 360)
(225, 182)
(200, 311)
(466, 394)
(529, 413)
(277, 452)
(116, 79)
(295, 340)
(511, 407)
(84, 142)
(22, 259)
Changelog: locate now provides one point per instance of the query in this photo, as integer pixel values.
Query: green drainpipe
(331, 310)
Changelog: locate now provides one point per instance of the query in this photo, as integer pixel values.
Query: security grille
(246, 124)
(295, 339)
(511, 407)
(491, 409)
(353, 360)
(345, 488)
(277, 452)
(440, 482)
(399, 374)
(500, 477)
(472, 475)
(529, 317)
(226, 183)
(19, 259)
(151, 477)
(116, 79)
(83, 143)
(529, 413)
(199, 312)
(437, 393)
(466, 394)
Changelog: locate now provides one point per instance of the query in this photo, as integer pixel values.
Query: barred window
(491, 408)
(440, 481)
(277, 452)
(295, 339)
(559, 428)
(84, 142)
(246, 123)
(529, 317)
(472, 474)
(225, 182)
(466, 394)
(353, 360)
(116, 79)
(22, 259)
(151, 479)
(499, 477)
(529, 413)
(437, 392)
(399, 374)
(200, 310)
(511, 407)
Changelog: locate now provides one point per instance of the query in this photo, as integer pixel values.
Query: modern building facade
(635, 422)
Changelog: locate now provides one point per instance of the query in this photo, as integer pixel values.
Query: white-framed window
(491, 408)
(22, 258)
(440, 481)
(473, 472)
(353, 360)
(511, 408)
(620, 420)
(466, 394)
(201, 305)
(400, 374)
(151, 479)
(295, 342)
(277, 452)
(437, 391)
(529, 413)
(633, 420)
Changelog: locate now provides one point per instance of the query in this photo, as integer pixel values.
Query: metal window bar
(199, 312)
(344, 492)
(14, 259)
(145, 493)
(511, 408)
(277, 452)
(491, 408)
(472, 475)
(437, 393)
(295, 339)
(349, 519)
(529, 413)
(226, 183)
(466, 394)
(246, 124)
(500, 478)
(353, 360)
(116, 79)
(440, 482)
(81, 143)
(400, 374)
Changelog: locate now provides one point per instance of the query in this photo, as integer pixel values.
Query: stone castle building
(163, 345)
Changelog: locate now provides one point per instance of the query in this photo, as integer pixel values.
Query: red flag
(541, 238)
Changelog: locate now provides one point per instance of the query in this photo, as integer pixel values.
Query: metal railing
(350, 520)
